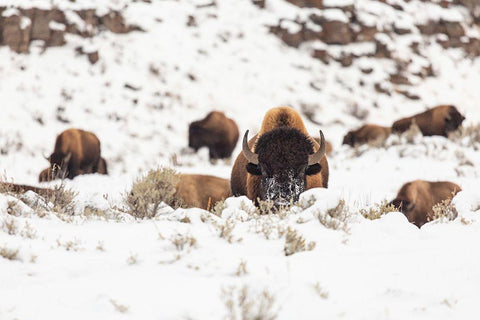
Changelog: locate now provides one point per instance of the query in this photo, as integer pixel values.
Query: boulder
(16, 32)
(307, 3)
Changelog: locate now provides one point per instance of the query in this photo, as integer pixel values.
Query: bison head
(404, 206)
(283, 159)
(453, 119)
(349, 139)
(59, 164)
(196, 136)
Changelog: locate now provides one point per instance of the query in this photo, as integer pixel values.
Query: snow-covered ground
(170, 267)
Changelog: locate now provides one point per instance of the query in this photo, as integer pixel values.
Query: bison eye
(313, 169)
(254, 169)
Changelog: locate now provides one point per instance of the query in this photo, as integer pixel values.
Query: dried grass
(150, 191)
(294, 242)
(243, 304)
(378, 210)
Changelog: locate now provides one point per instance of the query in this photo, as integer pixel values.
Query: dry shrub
(322, 293)
(218, 208)
(70, 245)
(335, 218)
(10, 254)
(226, 231)
(470, 134)
(150, 191)
(132, 259)
(378, 210)
(182, 241)
(62, 199)
(242, 304)
(95, 213)
(266, 207)
(444, 211)
(119, 307)
(241, 269)
(28, 231)
(294, 242)
(9, 226)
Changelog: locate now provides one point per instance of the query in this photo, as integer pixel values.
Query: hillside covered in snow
(136, 73)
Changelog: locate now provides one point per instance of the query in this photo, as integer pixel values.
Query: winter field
(331, 256)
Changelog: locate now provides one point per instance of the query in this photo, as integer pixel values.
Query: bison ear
(313, 169)
(254, 169)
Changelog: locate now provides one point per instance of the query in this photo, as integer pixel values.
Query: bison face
(195, 136)
(349, 139)
(453, 120)
(404, 206)
(283, 158)
(59, 164)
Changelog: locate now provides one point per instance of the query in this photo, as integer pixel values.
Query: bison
(22, 188)
(417, 198)
(285, 160)
(76, 152)
(215, 131)
(201, 191)
(438, 121)
(369, 133)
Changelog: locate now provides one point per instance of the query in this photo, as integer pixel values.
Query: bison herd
(277, 164)
(438, 121)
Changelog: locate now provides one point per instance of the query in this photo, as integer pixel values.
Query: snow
(89, 267)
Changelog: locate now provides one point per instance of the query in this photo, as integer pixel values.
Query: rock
(292, 36)
(191, 22)
(336, 32)
(93, 57)
(259, 3)
(346, 59)
(365, 33)
(307, 3)
(16, 31)
(474, 8)
(380, 88)
(113, 21)
(381, 49)
(399, 79)
(322, 55)
(450, 28)
(57, 32)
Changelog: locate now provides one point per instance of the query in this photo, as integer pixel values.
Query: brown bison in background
(215, 131)
(369, 133)
(285, 160)
(22, 188)
(76, 152)
(438, 121)
(201, 191)
(417, 198)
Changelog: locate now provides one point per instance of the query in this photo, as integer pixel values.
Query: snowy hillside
(136, 73)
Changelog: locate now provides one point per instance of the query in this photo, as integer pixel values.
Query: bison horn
(46, 158)
(317, 156)
(251, 156)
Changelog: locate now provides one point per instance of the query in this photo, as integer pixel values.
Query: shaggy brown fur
(366, 134)
(438, 121)
(21, 188)
(282, 144)
(76, 152)
(201, 191)
(215, 131)
(417, 198)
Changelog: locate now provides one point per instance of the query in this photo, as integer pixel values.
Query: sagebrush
(150, 191)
